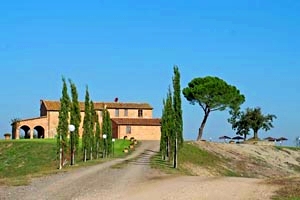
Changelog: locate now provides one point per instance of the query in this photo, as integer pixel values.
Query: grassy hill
(20, 160)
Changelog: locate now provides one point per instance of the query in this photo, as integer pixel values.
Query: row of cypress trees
(92, 136)
(171, 122)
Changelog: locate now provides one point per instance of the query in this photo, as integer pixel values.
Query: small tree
(253, 119)
(212, 94)
(63, 122)
(239, 123)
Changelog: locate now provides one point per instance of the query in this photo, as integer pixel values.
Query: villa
(128, 120)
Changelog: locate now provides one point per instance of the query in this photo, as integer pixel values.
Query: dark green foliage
(253, 119)
(63, 129)
(212, 94)
(86, 126)
(75, 117)
(177, 105)
(107, 130)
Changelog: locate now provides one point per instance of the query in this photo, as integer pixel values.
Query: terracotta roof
(55, 105)
(137, 121)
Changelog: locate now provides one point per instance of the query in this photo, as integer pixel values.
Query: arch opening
(24, 132)
(39, 132)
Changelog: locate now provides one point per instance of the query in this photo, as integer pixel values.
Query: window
(116, 112)
(126, 112)
(140, 113)
(128, 129)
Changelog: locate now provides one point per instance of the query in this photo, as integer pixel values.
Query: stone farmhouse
(128, 119)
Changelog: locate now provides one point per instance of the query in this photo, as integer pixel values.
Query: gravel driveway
(135, 180)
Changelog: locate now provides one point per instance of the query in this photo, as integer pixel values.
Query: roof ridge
(127, 102)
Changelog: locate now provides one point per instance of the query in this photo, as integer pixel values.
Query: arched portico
(30, 128)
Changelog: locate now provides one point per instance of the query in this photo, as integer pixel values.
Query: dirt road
(136, 180)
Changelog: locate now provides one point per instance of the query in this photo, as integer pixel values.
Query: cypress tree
(93, 129)
(107, 129)
(177, 106)
(104, 132)
(63, 129)
(163, 137)
(98, 138)
(75, 119)
(170, 125)
(86, 126)
(109, 134)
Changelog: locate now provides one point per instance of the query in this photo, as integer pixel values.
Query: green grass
(20, 160)
(287, 147)
(191, 154)
(119, 147)
(156, 162)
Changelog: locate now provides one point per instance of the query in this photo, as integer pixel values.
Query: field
(21, 160)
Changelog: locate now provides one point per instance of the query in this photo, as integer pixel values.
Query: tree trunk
(169, 149)
(255, 134)
(98, 150)
(202, 125)
(91, 154)
(175, 153)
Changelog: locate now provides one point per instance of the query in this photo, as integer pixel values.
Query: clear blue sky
(127, 49)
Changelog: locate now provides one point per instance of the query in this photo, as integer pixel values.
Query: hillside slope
(248, 160)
